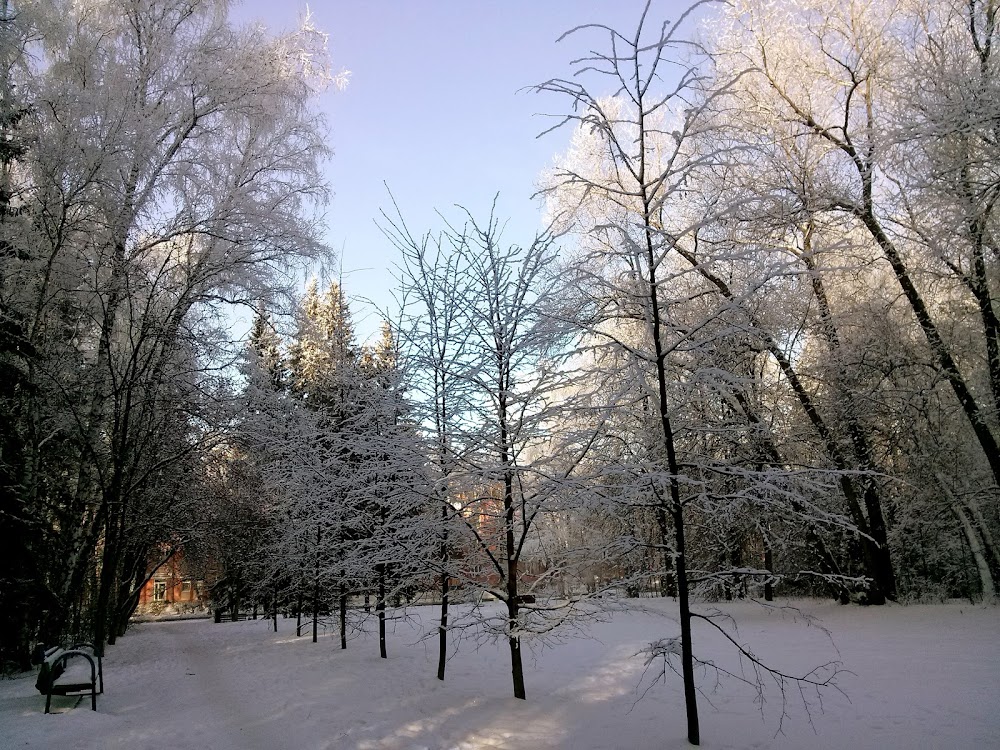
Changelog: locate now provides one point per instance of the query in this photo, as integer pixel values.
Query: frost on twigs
(662, 649)
(308, 55)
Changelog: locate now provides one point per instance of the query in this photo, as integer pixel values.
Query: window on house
(159, 591)
(186, 588)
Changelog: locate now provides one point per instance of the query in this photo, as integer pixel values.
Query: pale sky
(433, 110)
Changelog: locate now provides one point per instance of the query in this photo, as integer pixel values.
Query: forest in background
(756, 353)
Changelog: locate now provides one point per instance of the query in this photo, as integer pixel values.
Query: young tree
(435, 342)
(660, 294)
(391, 490)
(326, 379)
(517, 391)
(497, 389)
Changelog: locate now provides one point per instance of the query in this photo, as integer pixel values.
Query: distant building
(173, 587)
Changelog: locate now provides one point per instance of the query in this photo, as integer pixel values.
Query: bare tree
(661, 295)
(434, 344)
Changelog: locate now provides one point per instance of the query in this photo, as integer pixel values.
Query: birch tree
(172, 168)
(901, 161)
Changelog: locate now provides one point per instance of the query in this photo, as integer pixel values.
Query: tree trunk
(668, 582)
(978, 555)
(687, 650)
(107, 580)
(984, 531)
(343, 610)
(443, 625)
(235, 603)
(380, 609)
(514, 641)
(300, 593)
(676, 507)
(768, 566)
(514, 638)
(315, 597)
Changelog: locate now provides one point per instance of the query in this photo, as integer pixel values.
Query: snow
(924, 676)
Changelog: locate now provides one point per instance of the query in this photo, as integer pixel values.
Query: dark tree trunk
(315, 597)
(380, 609)
(676, 507)
(668, 582)
(443, 625)
(300, 594)
(513, 637)
(516, 668)
(236, 602)
(343, 610)
(129, 602)
(687, 651)
(107, 582)
(769, 567)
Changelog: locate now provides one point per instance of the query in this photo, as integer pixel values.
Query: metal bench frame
(54, 665)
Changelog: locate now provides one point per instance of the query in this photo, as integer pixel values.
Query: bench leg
(93, 698)
(48, 701)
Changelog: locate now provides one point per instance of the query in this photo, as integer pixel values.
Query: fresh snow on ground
(923, 676)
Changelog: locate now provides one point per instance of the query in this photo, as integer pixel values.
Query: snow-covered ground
(920, 677)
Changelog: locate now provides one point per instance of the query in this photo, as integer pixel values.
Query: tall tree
(899, 164)
(173, 169)
(656, 293)
(494, 367)
(513, 378)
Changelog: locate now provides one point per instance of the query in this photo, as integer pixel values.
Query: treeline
(158, 165)
(756, 351)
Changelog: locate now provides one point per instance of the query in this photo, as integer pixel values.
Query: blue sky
(433, 110)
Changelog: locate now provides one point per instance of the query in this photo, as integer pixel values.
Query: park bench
(73, 671)
(224, 615)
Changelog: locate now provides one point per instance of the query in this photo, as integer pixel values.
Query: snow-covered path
(216, 685)
(923, 677)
